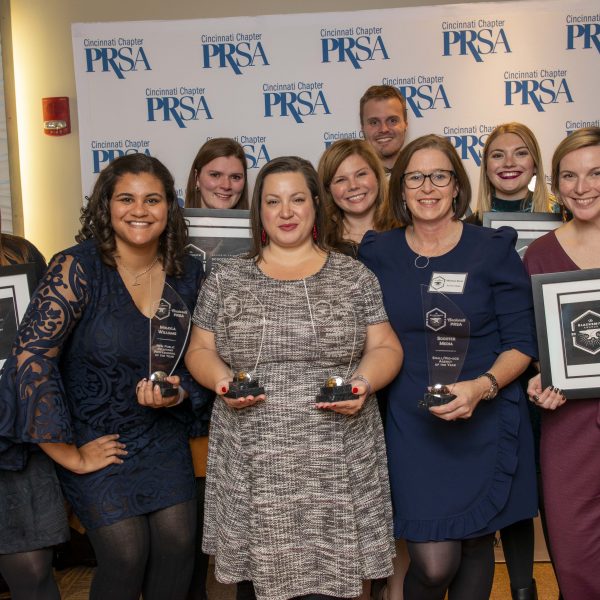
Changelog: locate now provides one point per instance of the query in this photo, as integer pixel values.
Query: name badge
(448, 283)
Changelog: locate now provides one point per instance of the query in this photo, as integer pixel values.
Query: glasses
(439, 178)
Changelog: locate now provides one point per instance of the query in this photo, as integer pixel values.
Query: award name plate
(336, 390)
(447, 341)
(567, 317)
(169, 331)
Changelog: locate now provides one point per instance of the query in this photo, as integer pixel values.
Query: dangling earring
(454, 204)
(263, 237)
(315, 232)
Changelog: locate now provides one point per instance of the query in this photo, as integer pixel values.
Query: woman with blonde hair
(356, 198)
(510, 159)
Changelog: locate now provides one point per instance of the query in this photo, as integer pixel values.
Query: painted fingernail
(223, 389)
(355, 390)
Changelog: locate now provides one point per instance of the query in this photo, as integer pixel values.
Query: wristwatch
(493, 391)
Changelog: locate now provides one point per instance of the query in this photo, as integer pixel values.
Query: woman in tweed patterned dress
(297, 498)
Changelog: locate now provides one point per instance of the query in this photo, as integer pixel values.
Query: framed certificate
(217, 234)
(567, 316)
(17, 283)
(529, 226)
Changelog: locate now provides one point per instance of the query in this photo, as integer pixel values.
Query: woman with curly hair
(77, 378)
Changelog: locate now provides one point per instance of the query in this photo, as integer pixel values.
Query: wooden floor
(74, 584)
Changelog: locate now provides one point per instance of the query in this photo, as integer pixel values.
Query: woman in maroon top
(571, 430)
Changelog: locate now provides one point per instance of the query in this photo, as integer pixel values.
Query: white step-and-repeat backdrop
(291, 84)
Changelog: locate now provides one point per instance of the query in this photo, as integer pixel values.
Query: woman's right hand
(222, 387)
(550, 398)
(100, 453)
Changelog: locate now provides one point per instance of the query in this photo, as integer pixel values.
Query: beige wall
(45, 170)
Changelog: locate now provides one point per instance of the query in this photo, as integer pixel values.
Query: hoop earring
(315, 233)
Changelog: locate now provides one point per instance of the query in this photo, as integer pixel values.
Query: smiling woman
(80, 366)
(298, 316)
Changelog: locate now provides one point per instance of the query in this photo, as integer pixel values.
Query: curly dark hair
(96, 221)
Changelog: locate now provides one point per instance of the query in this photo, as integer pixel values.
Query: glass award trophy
(169, 330)
(447, 336)
(244, 382)
(336, 388)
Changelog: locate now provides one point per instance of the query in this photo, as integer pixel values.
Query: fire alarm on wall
(57, 120)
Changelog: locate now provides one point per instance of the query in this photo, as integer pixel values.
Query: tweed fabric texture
(297, 499)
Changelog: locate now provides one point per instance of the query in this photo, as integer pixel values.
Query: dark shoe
(528, 593)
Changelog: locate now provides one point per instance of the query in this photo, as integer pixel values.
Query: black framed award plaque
(567, 317)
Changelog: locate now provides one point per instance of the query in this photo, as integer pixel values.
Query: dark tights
(152, 554)
(200, 571)
(29, 575)
(464, 568)
(517, 543)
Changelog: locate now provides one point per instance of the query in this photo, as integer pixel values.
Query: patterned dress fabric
(570, 465)
(297, 498)
(461, 479)
(81, 349)
(32, 513)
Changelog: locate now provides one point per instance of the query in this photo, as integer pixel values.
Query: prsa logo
(538, 88)
(422, 92)
(583, 32)
(469, 141)
(120, 55)
(476, 37)
(297, 100)
(255, 149)
(235, 52)
(355, 45)
(179, 105)
(105, 151)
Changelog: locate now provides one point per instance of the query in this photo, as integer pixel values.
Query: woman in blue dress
(462, 469)
(77, 382)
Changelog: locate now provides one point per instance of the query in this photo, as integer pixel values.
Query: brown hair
(215, 148)
(541, 197)
(14, 251)
(581, 138)
(96, 221)
(382, 92)
(330, 162)
(286, 164)
(437, 142)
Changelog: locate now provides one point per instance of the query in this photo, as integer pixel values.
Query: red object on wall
(57, 120)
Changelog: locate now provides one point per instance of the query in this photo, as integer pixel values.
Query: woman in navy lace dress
(78, 375)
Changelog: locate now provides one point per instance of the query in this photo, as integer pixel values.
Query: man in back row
(383, 119)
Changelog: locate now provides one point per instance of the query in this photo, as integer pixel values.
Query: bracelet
(365, 381)
(493, 391)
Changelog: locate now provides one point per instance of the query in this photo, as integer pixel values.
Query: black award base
(244, 385)
(335, 390)
(439, 395)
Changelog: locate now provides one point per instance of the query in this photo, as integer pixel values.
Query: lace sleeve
(33, 402)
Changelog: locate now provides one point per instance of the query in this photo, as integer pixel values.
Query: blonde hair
(541, 197)
(329, 163)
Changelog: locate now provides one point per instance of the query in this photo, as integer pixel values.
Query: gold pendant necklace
(136, 277)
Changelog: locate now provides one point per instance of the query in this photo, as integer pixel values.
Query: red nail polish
(355, 390)
(223, 389)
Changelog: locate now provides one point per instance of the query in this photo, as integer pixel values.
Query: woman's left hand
(148, 394)
(348, 407)
(468, 395)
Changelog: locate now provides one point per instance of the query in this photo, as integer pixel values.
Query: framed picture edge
(538, 282)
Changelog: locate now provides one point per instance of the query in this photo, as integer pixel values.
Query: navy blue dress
(461, 479)
(80, 351)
